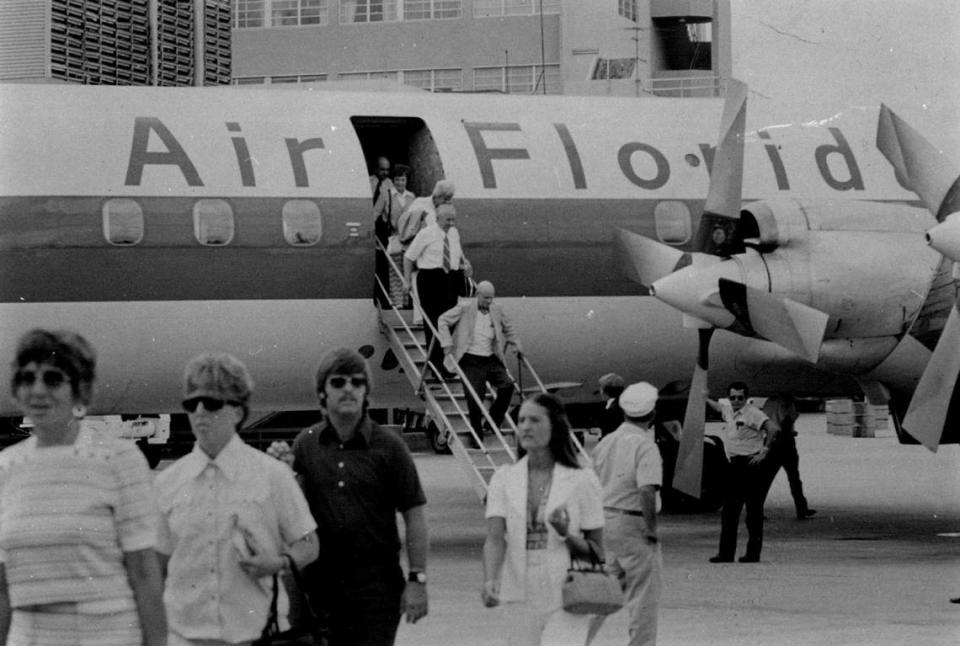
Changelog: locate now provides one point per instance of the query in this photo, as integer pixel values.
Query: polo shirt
(625, 461)
(207, 594)
(355, 489)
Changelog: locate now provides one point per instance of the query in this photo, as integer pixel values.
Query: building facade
(116, 42)
(612, 47)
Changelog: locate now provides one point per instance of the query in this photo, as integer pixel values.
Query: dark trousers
(785, 455)
(360, 607)
(438, 291)
(479, 370)
(746, 486)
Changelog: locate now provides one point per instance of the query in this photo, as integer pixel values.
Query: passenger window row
(213, 222)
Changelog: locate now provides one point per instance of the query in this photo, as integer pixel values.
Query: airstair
(445, 401)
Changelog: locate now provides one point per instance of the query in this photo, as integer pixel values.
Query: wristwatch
(417, 577)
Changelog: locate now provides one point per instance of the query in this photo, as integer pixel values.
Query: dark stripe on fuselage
(53, 249)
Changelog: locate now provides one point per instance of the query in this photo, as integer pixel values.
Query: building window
(249, 80)
(367, 76)
(614, 68)
(435, 80)
(497, 8)
(672, 221)
(296, 78)
(302, 226)
(627, 9)
(213, 222)
(282, 13)
(353, 11)
(122, 222)
(287, 13)
(248, 13)
(431, 9)
(518, 79)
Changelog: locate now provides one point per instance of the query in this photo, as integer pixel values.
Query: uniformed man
(631, 472)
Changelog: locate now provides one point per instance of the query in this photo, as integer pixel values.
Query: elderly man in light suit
(482, 333)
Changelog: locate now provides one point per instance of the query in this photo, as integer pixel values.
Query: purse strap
(273, 621)
(595, 562)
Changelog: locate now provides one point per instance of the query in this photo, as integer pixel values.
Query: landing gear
(438, 439)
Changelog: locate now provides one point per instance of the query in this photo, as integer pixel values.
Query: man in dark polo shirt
(356, 477)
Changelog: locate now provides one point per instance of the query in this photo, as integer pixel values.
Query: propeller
(722, 207)
(922, 168)
(797, 327)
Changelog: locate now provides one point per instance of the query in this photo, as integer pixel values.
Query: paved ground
(876, 566)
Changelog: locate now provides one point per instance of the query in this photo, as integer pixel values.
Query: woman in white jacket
(540, 512)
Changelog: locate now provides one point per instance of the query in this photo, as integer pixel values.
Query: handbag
(393, 245)
(589, 589)
(309, 635)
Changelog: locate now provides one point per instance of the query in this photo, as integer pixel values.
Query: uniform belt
(625, 512)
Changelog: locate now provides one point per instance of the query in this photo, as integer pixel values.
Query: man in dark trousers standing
(356, 476)
(748, 435)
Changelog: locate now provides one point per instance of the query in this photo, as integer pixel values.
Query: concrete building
(588, 47)
(116, 42)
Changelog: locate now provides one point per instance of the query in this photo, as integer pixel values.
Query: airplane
(162, 222)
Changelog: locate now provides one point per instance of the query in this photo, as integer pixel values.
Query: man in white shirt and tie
(441, 269)
(483, 330)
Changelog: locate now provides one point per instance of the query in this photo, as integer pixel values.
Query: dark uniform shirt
(355, 490)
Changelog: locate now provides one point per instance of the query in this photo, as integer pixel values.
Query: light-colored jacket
(464, 317)
(577, 489)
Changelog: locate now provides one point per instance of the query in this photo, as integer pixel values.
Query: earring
(79, 411)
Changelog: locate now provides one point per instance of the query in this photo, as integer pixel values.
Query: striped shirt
(68, 514)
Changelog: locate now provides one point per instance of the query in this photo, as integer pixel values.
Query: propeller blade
(721, 211)
(927, 414)
(945, 237)
(795, 326)
(644, 260)
(726, 176)
(919, 166)
(688, 471)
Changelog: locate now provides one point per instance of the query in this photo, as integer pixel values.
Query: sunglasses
(340, 382)
(735, 398)
(50, 378)
(210, 404)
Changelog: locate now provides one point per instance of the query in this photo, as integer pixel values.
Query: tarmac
(877, 565)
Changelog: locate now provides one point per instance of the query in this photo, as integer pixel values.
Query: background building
(116, 42)
(616, 47)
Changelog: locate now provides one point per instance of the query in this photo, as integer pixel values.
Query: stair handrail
(522, 357)
(468, 388)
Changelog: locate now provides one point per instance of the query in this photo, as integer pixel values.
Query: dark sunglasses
(340, 382)
(737, 397)
(210, 404)
(50, 378)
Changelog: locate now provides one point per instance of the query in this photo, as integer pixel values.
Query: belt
(625, 512)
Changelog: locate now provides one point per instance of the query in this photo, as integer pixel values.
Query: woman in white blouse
(541, 510)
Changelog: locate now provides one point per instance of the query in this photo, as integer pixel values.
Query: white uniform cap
(638, 400)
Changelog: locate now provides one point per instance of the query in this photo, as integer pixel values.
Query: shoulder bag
(309, 635)
(589, 589)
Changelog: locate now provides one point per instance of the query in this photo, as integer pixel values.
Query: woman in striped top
(78, 516)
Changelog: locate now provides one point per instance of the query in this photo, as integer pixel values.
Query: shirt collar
(364, 429)
(229, 460)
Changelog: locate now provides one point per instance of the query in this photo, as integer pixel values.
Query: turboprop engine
(820, 279)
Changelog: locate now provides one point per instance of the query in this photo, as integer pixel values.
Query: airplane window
(122, 222)
(302, 226)
(213, 222)
(673, 222)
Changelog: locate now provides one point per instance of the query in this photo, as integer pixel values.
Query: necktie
(446, 252)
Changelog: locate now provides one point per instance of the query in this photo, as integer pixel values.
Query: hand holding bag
(589, 589)
(310, 635)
